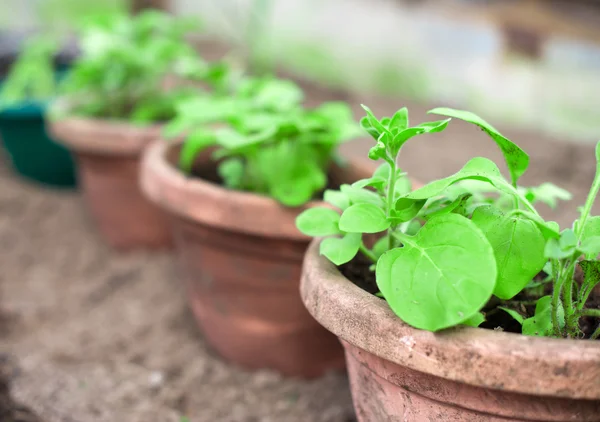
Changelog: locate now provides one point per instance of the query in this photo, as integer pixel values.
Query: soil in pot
(242, 258)
(398, 373)
(31, 151)
(108, 162)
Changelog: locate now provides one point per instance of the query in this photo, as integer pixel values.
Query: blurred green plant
(32, 77)
(124, 64)
(267, 143)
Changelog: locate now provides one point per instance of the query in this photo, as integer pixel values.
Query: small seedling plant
(124, 63)
(32, 77)
(266, 141)
(470, 242)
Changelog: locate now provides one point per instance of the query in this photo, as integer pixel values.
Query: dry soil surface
(88, 334)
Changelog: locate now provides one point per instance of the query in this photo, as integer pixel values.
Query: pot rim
(100, 136)
(211, 204)
(531, 365)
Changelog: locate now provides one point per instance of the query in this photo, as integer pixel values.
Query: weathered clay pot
(108, 160)
(242, 258)
(398, 373)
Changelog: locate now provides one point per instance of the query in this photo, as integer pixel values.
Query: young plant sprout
(269, 144)
(448, 250)
(32, 77)
(123, 65)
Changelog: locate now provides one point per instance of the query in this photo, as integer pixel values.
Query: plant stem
(524, 200)
(589, 312)
(390, 200)
(596, 333)
(568, 298)
(587, 208)
(404, 238)
(556, 294)
(367, 252)
(586, 290)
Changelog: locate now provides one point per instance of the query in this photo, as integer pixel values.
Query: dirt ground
(90, 335)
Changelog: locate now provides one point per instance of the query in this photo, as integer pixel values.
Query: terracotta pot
(108, 159)
(398, 373)
(242, 258)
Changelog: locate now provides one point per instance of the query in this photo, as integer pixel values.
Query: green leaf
(341, 250)
(381, 246)
(337, 199)
(406, 209)
(541, 323)
(232, 139)
(567, 239)
(591, 229)
(297, 185)
(591, 274)
(434, 127)
(547, 193)
(232, 172)
(374, 122)
(364, 218)
(366, 125)
(590, 247)
(474, 321)
(441, 277)
(403, 186)
(518, 248)
(318, 222)
(194, 144)
(382, 171)
(516, 316)
(478, 168)
(445, 207)
(374, 182)
(517, 160)
(358, 196)
(399, 121)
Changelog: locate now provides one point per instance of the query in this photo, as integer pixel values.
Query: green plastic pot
(32, 153)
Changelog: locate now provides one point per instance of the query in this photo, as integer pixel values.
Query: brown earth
(96, 335)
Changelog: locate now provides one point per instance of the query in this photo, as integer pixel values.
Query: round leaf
(341, 250)
(518, 247)
(443, 277)
(318, 222)
(364, 218)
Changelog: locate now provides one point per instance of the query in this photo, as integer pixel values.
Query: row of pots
(243, 261)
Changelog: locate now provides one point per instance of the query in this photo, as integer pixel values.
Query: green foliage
(32, 77)
(123, 65)
(468, 242)
(266, 142)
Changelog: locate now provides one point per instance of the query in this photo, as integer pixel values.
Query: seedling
(123, 65)
(447, 251)
(269, 144)
(32, 77)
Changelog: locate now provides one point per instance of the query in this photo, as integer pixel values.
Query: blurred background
(530, 67)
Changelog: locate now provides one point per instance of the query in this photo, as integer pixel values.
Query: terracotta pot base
(243, 291)
(108, 156)
(384, 391)
(124, 218)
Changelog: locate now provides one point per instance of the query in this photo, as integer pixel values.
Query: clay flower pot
(398, 373)
(108, 159)
(242, 259)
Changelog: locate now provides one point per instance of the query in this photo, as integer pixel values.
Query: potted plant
(114, 103)
(24, 95)
(467, 250)
(250, 162)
